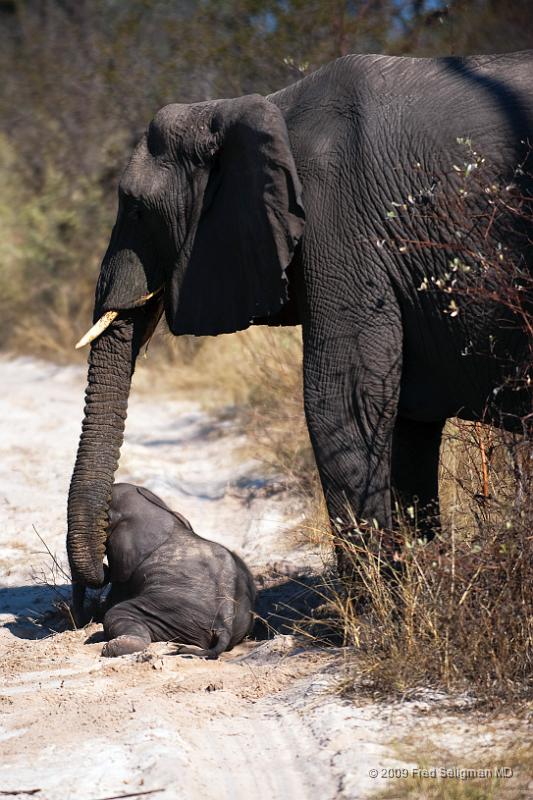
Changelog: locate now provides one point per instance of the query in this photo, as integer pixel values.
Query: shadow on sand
(32, 611)
(36, 612)
(288, 605)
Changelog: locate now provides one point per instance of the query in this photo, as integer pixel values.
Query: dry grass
(52, 577)
(275, 421)
(455, 614)
(199, 369)
(509, 773)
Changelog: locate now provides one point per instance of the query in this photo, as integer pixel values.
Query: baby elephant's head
(139, 522)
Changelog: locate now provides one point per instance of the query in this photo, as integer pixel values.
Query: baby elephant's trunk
(77, 610)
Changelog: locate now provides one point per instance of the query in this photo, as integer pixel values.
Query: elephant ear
(122, 552)
(251, 221)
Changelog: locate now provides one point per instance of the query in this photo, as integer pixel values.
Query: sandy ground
(263, 722)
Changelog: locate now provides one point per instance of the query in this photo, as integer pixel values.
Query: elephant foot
(123, 645)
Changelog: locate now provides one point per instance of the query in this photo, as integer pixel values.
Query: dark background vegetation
(80, 79)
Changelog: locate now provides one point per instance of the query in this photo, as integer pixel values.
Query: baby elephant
(170, 584)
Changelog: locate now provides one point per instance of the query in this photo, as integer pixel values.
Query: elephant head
(209, 216)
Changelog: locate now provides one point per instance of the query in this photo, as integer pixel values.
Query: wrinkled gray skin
(276, 210)
(168, 583)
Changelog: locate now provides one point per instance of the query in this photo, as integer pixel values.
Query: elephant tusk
(98, 328)
(106, 320)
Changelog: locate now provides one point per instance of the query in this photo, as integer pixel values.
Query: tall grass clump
(453, 614)
(275, 419)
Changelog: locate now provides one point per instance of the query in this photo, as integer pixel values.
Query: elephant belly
(421, 401)
(455, 382)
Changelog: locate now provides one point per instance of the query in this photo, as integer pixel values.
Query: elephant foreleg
(352, 382)
(126, 634)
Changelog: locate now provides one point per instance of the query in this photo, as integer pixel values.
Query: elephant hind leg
(222, 643)
(415, 470)
(125, 632)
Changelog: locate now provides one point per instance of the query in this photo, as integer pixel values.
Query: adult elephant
(211, 229)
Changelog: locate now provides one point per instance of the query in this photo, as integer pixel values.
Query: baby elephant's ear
(128, 545)
(122, 554)
(156, 501)
(140, 522)
(252, 219)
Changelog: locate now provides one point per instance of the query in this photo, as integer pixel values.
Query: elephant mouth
(106, 319)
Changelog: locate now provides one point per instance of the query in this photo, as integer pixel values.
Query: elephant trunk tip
(86, 571)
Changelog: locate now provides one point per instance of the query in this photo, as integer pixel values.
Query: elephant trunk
(111, 365)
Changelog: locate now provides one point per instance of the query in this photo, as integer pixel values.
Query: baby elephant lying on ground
(170, 584)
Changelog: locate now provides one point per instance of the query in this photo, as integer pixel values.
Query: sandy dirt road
(263, 722)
